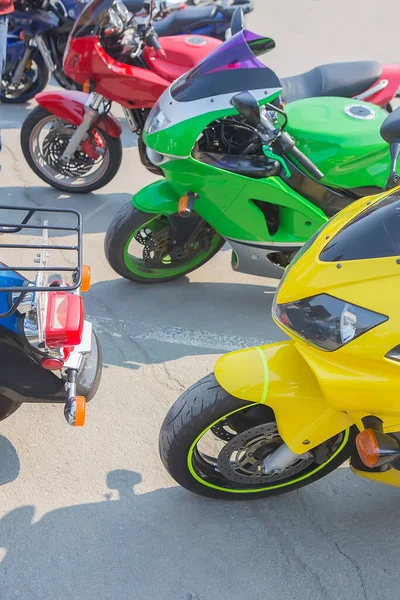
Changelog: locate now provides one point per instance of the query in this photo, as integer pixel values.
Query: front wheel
(33, 81)
(44, 137)
(142, 246)
(214, 445)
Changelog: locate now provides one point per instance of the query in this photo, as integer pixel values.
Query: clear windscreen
(92, 18)
(232, 67)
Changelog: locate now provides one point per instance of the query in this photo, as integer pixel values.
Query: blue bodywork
(9, 279)
(31, 23)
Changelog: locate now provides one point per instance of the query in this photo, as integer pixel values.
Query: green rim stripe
(254, 491)
(266, 374)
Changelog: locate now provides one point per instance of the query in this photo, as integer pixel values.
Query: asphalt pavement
(90, 514)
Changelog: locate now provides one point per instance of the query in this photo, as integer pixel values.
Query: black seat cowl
(188, 17)
(390, 128)
(337, 79)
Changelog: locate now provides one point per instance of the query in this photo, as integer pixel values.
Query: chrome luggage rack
(42, 269)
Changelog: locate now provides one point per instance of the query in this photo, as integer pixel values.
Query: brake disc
(241, 459)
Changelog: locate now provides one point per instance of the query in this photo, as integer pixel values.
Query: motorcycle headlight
(325, 321)
(156, 120)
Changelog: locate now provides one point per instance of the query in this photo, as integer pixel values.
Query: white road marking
(177, 335)
(200, 339)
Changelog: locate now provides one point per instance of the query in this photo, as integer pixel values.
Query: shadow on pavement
(169, 544)
(9, 462)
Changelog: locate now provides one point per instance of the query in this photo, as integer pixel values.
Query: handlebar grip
(304, 161)
(152, 40)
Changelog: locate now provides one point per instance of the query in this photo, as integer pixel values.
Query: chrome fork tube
(91, 112)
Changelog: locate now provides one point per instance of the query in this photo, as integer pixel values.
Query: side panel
(278, 376)
(226, 201)
(69, 105)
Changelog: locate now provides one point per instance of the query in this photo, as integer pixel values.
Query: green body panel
(226, 202)
(350, 152)
(156, 198)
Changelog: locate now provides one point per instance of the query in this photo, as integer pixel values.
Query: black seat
(185, 19)
(338, 79)
(390, 128)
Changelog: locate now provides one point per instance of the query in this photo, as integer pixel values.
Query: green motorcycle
(239, 169)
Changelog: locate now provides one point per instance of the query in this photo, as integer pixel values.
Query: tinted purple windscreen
(232, 67)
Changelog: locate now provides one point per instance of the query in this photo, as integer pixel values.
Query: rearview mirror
(247, 106)
(238, 21)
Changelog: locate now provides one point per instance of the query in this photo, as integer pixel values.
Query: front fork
(93, 109)
(35, 42)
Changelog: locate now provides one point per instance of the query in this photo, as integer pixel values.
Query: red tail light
(64, 320)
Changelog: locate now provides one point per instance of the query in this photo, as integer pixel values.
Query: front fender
(69, 105)
(278, 376)
(157, 198)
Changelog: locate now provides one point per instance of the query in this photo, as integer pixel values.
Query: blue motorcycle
(36, 41)
(48, 351)
(212, 19)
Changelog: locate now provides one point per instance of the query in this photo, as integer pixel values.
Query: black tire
(7, 407)
(125, 222)
(37, 86)
(114, 146)
(196, 409)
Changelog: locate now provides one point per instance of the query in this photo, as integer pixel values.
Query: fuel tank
(341, 136)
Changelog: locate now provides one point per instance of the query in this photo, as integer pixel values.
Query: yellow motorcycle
(278, 417)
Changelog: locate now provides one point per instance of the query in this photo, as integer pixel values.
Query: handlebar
(153, 42)
(288, 146)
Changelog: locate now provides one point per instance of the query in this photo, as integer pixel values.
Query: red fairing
(391, 74)
(69, 106)
(132, 86)
(183, 53)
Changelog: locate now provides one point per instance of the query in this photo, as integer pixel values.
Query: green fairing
(350, 152)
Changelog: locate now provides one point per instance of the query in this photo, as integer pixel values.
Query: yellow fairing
(390, 477)
(277, 375)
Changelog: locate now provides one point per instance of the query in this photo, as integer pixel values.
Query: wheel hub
(242, 459)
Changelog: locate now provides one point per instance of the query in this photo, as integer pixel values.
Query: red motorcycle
(71, 140)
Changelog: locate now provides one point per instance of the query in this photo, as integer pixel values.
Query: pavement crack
(15, 167)
(172, 377)
(355, 564)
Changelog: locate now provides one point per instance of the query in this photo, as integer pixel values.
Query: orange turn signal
(183, 204)
(80, 411)
(86, 86)
(86, 274)
(22, 36)
(368, 448)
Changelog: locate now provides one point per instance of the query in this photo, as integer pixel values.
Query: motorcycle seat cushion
(179, 20)
(337, 79)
